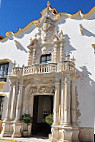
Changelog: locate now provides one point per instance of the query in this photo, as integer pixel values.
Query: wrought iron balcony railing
(44, 68)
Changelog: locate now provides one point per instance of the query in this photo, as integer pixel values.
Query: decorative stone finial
(48, 4)
(73, 59)
(35, 36)
(61, 35)
(30, 39)
(67, 56)
(14, 64)
(81, 29)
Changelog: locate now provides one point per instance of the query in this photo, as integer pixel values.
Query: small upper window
(3, 71)
(46, 58)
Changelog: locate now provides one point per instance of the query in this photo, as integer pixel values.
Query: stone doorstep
(28, 140)
(9, 140)
(24, 139)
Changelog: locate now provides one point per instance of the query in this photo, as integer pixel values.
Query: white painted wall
(78, 46)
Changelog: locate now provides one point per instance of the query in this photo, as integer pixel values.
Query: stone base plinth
(17, 132)
(7, 129)
(64, 134)
(26, 131)
(86, 134)
(75, 134)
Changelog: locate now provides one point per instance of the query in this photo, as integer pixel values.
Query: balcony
(66, 66)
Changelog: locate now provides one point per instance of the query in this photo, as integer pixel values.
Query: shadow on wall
(88, 33)
(62, 21)
(68, 47)
(88, 81)
(28, 31)
(86, 96)
(19, 46)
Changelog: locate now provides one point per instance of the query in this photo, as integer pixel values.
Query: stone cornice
(5, 60)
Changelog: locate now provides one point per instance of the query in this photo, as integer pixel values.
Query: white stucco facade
(79, 35)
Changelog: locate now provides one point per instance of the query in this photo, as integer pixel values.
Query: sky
(18, 13)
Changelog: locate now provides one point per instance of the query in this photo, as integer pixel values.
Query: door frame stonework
(30, 92)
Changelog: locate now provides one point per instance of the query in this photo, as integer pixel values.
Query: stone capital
(73, 82)
(11, 84)
(55, 45)
(34, 49)
(61, 44)
(67, 79)
(57, 84)
(20, 85)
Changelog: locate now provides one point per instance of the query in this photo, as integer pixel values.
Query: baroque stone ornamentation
(41, 90)
(52, 76)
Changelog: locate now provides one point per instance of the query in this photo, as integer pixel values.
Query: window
(3, 71)
(46, 58)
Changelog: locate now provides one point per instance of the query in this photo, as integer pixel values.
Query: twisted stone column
(19, 101)
(17, 124)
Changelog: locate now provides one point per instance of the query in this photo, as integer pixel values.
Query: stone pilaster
(7, 125)
(55, 53)
(56, 104)
(31, 105)
(9, 103)
(30, 58)
(62, 101)
(34, 55)
(14, 101)
(12, 113)
(74, 104)
(24, 100)
(67, 102)
(61, 51)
